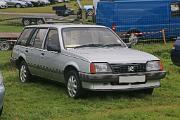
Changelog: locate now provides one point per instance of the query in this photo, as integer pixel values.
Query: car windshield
(90, 37)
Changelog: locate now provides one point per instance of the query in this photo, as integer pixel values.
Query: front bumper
(111, 81)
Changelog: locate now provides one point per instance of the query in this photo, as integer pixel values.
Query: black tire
(148, 91)
(1, 110)
(24, 74)
(73, 85)
(26, 22)
(4, 45)
(18, 5)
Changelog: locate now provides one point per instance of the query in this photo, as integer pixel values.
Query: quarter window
(25, 36)
(175, 9)
(40, 36)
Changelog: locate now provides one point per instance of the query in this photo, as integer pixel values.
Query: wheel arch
(69, 68)
(19, 60)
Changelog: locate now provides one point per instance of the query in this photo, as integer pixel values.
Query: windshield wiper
(113, 45)
(90, 45)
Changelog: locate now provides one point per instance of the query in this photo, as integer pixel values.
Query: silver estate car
(85, 57)
(2, 91)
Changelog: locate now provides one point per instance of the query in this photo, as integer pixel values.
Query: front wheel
(73, 85)
(24, 74)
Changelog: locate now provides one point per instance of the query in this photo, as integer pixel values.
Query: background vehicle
(35, 3)
(29, 4)
(16, 3)
(3, 4)
(84, 57)
(175, 52)
(140, 16)
(2, 92)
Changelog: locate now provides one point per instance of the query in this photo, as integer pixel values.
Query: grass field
(16, 26)
(47, 9)
(44, 100)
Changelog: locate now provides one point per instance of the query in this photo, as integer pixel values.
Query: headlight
(100, 68)
(154, 66)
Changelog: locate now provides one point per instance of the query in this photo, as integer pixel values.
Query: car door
(51, 58)
(35, 50)
(21, 48)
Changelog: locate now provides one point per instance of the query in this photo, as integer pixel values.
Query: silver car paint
(80, 58)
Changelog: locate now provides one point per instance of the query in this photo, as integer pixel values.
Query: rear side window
(23, 39)
(175, 9)
(39, 38)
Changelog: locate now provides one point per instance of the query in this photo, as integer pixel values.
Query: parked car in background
(29, 4)
(175, 52)
(15, 3)
(2, 92)
(85, 57)
(3, 4)
(35, 3)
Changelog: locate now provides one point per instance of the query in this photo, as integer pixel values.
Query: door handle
(26, 51)
(42, 54)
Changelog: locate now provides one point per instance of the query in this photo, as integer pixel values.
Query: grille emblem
(131, 68)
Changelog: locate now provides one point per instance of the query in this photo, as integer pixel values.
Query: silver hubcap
(18, 6)
(23, 72)
(72, 86)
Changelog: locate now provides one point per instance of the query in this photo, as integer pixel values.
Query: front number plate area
(131, 79)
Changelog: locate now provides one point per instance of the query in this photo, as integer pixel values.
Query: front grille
(128, 68)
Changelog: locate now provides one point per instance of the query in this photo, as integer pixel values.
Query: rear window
(23, 39)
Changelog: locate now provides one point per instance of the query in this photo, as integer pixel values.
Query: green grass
(44, 100)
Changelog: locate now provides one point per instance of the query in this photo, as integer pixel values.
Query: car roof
(66, 25)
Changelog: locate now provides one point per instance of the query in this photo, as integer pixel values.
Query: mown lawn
(44, 100)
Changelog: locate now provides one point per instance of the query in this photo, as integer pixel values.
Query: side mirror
(55, 48)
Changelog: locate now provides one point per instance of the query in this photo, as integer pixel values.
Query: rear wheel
(18, 6)
(4, 45)
(24, 74)
(73, 84)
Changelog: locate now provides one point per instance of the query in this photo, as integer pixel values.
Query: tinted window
(39, 38)
(25, 36)
(52, 39)
(175, 9)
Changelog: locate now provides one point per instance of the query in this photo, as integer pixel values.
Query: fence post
(164, 36)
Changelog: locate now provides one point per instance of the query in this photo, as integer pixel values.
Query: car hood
(113, 55)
